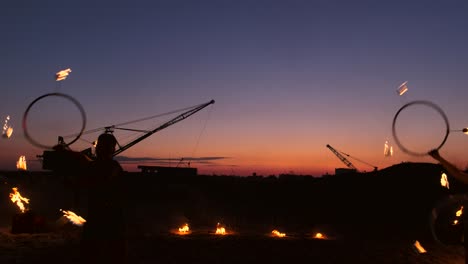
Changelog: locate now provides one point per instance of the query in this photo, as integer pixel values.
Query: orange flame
(21, 163)
(444, 182)
(419, 248)
(220, 230)
(7, 130)
(277, 233)
(73, 218)
(184, 229)
(62, 75)
(18, 199)
(458, 214)
(319, 236)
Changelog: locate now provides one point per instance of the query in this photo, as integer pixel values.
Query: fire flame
(403, 88)
(444, 181)
(184, 230)
(7, 130)
(319, 236)
(18, 199)
(277, 233)
(419, 248)
(21, 163)
(458, 214)
(73, 218)
(220, 230)
(388, 150)
(62, 75)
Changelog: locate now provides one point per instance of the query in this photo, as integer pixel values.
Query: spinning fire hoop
(425, 103)
(65, 96)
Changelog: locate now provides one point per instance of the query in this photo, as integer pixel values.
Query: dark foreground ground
(60, 248)
(370, 218)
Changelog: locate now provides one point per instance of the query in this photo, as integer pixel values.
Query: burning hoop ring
(456, 199)
(73, 100)
(435, 107)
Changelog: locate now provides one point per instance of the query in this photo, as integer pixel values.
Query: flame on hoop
(62, 75)
(403, 88)
(7, 130)
(73, 218)
(16, 198)
(21, 163)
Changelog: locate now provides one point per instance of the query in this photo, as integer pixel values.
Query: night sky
(288, 78)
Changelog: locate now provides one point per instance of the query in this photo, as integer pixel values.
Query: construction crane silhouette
(346, 161)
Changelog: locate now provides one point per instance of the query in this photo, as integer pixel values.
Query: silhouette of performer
(462, 177)
(103, 238)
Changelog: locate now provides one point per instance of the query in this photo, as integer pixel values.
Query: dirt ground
(62, 247)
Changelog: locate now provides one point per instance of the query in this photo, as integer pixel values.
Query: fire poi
(7, 129)
(21, 163)
(16, 198)
(73, 218)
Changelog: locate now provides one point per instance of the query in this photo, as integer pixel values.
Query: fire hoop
(431, 105)
(443, 227)
(73, 100)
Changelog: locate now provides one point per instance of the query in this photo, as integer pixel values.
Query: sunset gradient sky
(288, 78)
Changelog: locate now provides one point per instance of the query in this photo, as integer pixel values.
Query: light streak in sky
(7, 130)
(62, 75)
(403, 88)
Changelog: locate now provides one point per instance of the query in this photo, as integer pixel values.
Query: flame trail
(73, 218)
(7, 130)
(16, 197)
(62, 75)
(403, 88)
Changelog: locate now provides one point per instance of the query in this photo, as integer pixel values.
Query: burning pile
(184, 230)
(220, 230)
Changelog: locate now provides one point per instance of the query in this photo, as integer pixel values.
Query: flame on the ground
(220, 230)
(16, 198)
(319, 235)
(419, 248)
(444, 182)
(7, 130)
(21, 163)
(184, 229)
(277, 233)
(403, 88)
(62, 75)
(73, 218)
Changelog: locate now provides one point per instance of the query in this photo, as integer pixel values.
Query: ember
(21, 163)
(276, 233)
(73, 218)
(18, 199)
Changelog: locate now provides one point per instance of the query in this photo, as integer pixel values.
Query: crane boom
(342, 158)
(161, 127)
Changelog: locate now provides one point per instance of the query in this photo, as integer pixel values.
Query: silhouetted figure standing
(462, 177)
(103, 237)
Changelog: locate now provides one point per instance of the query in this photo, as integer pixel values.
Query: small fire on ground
(220, 230)
(73, 218)
(184, 230)
(277, 233)
(16, 198)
